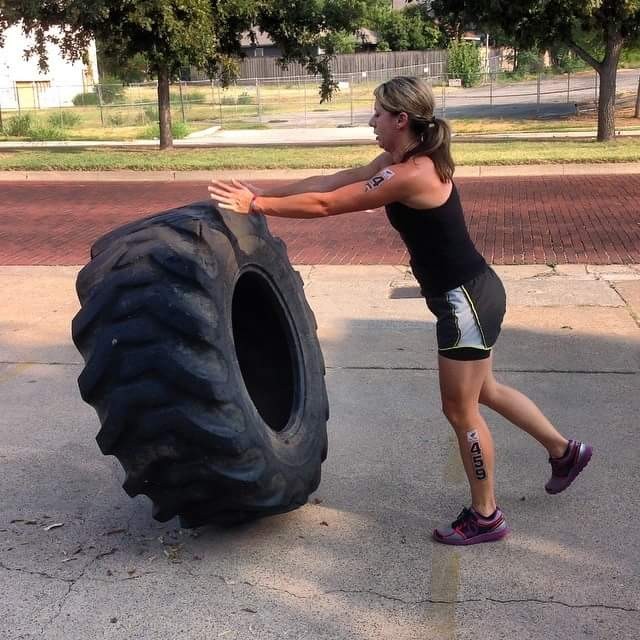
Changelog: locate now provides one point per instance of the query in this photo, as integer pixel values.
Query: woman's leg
(522, 412)
(460, 386)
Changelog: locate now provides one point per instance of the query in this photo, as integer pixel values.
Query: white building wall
(54, 88)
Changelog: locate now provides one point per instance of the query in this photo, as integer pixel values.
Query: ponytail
(434, 141)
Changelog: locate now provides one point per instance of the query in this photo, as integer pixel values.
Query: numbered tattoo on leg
(473, 439)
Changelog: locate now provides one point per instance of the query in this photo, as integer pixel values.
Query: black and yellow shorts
(469, 317)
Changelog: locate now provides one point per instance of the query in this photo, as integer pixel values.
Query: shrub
(42, 132)
(19, 125)
(464, 63)
(245, 98)
(188, 96)
(179, 130)
(115, 119)
(528, 61)
(565, 61)
(64, 119)
(111, 90)
(151, 114)
(87, 99)
(228, 100)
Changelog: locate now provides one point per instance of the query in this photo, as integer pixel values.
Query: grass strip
(465, 153)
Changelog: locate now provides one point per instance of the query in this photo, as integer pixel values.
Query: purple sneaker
(566, 469)
(471, 528)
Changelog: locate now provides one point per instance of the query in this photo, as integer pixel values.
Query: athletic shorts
(469, 317)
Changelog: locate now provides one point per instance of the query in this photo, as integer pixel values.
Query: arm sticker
(376, 181)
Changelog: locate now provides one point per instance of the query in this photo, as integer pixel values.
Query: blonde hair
(414, 97)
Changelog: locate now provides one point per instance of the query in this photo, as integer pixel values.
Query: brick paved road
(569, 219)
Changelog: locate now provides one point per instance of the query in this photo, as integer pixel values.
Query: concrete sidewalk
(357, 562)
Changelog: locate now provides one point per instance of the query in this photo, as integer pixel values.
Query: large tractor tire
(203, 365)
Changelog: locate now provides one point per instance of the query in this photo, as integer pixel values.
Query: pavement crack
(562, 604)
(41, 574)
(391, 598)
(632, 313)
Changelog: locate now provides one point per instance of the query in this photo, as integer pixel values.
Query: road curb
(297, 174)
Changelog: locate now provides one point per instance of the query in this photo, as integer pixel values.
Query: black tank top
(442, 254)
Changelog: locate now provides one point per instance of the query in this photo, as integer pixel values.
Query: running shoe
(471, 528)
(566, 469)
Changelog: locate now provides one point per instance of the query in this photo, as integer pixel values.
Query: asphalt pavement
(80, 559)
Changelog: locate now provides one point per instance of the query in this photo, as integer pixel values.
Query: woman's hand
(232, 196)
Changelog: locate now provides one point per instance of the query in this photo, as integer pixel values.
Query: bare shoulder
(423, 185)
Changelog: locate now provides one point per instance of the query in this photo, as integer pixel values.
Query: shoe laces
(466, 522)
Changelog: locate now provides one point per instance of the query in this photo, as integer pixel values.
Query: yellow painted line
(454, 471)
(14, 372)
(445, 582)
(445, 562)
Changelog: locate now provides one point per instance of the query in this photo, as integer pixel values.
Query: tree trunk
(636, 113)
(164, 109)
(607, 72)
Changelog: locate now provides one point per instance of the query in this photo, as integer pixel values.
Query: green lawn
(465, 153)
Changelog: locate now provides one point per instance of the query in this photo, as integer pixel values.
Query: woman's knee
(462, 416)
(489, 393)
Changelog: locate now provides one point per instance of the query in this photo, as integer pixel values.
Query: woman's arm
(391, 184)
(328, 182)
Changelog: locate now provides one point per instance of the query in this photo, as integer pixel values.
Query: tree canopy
(595, 30)
(173, 34)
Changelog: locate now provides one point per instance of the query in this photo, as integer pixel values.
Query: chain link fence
(132, 110)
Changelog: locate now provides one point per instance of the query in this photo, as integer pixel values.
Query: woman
(413, 180)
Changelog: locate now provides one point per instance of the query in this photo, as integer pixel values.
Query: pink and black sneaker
(471, 528)
(566, 469)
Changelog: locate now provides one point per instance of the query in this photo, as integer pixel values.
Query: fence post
(444, 96)
(18, 99)
(538, 94)
(568, 87)
(351, 98)
(213, 95)
(595, 89)
(304, 89)
(220, 103)
(184, 119)
(258, 100)
(490, 89)
(60, 109)
(99, 92)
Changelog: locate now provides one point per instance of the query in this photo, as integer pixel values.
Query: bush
(87, 99)
(19, 125)
(178, 130)
(566, 61)
(64, 119)
(464, 63)
(245, 98)
(151, 114)
(528, 61)
(42, 132)
(188, 96)
(115, 119)
(110, 90)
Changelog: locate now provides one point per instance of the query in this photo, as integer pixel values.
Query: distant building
(263, 47)
(24, 86)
